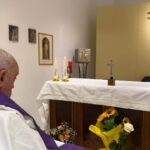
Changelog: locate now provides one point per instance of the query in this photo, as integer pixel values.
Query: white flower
(128, 127)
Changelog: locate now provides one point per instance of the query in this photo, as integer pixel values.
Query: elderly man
(18, 130)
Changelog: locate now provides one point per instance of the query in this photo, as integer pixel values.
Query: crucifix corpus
(111, 80)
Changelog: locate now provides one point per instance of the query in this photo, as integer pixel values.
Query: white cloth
(17, 132)
(44, 115)
(125, 94)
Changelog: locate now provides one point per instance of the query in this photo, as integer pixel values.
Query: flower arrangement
(112, 127)
(63, 133)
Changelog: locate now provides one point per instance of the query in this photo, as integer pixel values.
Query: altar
(80, 101)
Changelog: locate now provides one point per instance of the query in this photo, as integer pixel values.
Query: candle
(55, 63)
(65, 66)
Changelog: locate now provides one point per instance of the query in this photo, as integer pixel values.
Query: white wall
(71, 22)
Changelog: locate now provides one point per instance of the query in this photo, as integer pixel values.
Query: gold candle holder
(56, 76)
(65, 77)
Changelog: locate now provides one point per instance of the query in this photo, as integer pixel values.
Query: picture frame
(45, 48)
(32, 35)
(13, 33)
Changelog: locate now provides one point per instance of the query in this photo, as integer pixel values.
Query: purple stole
(48, 140)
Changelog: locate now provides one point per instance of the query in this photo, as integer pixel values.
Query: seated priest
(18, 130)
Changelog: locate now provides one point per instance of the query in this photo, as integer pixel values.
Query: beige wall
(123, 35)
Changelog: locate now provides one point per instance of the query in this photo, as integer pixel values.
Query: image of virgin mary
(45, 48)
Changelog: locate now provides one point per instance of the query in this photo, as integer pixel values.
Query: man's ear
(2, 74)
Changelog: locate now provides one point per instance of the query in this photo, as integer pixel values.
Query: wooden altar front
(64, 106)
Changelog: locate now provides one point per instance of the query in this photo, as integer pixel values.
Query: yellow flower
(110, 128)
(106, 114)
(102, 117)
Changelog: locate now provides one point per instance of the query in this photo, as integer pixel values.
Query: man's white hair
(7, 61)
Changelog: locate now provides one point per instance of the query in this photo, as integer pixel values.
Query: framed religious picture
(32, 35)
(45, 44)
(13, 33)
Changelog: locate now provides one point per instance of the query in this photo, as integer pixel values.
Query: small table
(79, 100)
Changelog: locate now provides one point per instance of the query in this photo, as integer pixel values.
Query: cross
(110, 65)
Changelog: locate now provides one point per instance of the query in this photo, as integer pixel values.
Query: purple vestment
(49, 142)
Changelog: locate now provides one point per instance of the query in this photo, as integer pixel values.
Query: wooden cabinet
(80, 116)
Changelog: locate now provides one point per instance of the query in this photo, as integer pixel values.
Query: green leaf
(109, 123)
(118, 118)
(100, 125)
(123, 140)
(113, 145)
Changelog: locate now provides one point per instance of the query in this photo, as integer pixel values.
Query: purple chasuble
(48, 140)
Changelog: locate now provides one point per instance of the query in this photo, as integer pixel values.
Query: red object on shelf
(70, 66)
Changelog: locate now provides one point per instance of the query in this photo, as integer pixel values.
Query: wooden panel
(60, 111)
(64, 113)
(145, 137)
(53, 110)
(82, 115)
(77, 121)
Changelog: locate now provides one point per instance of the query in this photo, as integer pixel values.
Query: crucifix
(111, 67)
(111, 80)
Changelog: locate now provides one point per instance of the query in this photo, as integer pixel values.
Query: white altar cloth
(125, 94)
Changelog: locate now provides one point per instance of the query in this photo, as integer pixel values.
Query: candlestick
(55, 77)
